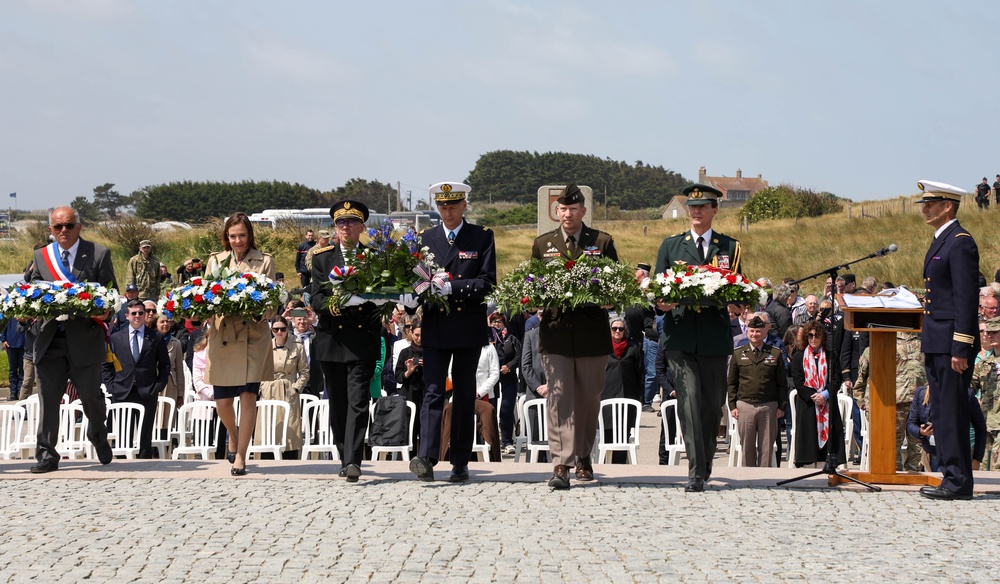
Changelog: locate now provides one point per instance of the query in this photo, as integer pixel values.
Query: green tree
(377, 196)
(109, 201)
(88, 211)
(788, 202)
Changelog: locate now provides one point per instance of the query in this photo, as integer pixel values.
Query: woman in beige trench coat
(291, 374)
(239, 351)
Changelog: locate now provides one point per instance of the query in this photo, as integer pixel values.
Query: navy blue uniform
(456, 337)
(951, 279)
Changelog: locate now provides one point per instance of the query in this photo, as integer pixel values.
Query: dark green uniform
(697, 344)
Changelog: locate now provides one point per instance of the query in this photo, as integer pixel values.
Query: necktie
(65, 258)
(701, 250)
(135, 346)
(571, 245)
(304, 341)
(451, 237)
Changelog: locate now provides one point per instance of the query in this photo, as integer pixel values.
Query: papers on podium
(891, 298)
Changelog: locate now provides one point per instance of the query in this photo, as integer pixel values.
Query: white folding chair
(319, 438)
(534, 412)
(197, 430)
(402, 451)
(846, 405)
(479, 448)
(624, 436)
(673, 447)
(735, 442)
(272, 428)
(865, 444)
(72, 441)
(27, 441)
(521, 441)
(791, 440)
(305, 399)
(165, 409)
(126, 425)
(11, 421)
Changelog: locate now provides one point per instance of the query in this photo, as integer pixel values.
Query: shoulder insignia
(687, 238)
(962, 235)
(715, 240)
(323, 249)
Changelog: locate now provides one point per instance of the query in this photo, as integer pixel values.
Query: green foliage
(508, 215)
(788, 202)
(109, 201)
(512, 176)
(372, 193)
(200, 201)
(88, 211)
(127, 232)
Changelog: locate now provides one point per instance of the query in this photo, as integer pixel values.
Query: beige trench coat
(174, 389)
(239, 352)
(291, 374)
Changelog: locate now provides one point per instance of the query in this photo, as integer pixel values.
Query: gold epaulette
(324, 249)
(962, 235)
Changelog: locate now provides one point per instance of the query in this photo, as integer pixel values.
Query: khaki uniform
(985, 382)
(145, 274)
(758, 388)
(910, 374)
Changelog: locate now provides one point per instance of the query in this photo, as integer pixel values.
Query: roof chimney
(702, 175)
(739, 173)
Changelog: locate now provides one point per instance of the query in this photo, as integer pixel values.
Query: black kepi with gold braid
(348, 209)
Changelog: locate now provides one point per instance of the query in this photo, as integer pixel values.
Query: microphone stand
(830, 468)
(832, 271)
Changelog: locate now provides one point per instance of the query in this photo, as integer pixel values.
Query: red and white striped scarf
(814, 364)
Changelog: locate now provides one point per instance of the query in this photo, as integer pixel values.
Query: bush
(787, 202)
(507, 214)
(126, 233)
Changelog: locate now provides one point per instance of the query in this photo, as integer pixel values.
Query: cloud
(276, 56)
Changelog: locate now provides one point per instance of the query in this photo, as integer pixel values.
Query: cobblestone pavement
(294, 522)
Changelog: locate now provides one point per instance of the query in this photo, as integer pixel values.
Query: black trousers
(347, 391)
(951, 418)
(464, 362)
(149, 413)
(701, 391)
(54, 369)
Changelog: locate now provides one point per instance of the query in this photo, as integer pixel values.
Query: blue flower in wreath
(209, 296)
(187, 303)
(36, 293)
(48, 298)
(71, 292)
(231, 293)
(241, 286)
(256, 296)
(99, 302)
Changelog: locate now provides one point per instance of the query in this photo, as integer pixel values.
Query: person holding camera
(410, 374)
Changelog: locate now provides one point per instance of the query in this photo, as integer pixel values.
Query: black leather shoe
(459, 474)
(47, 465)
(423, 468)
(560, 478)
(943, 494)
(104, 453)
(238, 472)
(584, 470)
(352, 472)
(694, 486)
(343, 472)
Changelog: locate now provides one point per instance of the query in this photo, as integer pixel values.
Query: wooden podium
(883, 324)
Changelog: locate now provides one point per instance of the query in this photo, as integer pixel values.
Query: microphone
(886, 250)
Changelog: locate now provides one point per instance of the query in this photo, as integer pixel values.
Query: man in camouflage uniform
(985, 381)
(143, 270)
(910, 374)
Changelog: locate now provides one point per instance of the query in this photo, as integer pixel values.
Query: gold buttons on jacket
(340, 326)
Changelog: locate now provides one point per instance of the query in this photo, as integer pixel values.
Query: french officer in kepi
(348, 341)
(573, 346)
(457, 337)
(697, 343)
(950, 335)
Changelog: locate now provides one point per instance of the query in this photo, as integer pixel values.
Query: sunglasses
(279, 329)
(140, 313)
(346, 222)
(617, 328)
(66, 226)
(812, 336)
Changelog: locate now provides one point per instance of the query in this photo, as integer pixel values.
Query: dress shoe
(584, 470)
(46, 465)
(104, 452)
(231, 457)
(238, 472)
(343, 472)
(459, 474)
(352, 472)
(939, 493)
(560, 477)
(694, 486)
(423, 468)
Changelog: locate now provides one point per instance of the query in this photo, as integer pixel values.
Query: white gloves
(446, 289)
(408, 300)
(355, 301)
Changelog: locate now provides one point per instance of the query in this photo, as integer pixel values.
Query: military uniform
(985, 384)
(573, 347)
(697, 344)
(347, 345)
(758, 388)
(951, 281)
(145, 274)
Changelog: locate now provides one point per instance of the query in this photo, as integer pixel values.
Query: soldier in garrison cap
(697, 343)
(465, 251)
(573, 346)
(347, 342)
(758, 394)
(986, 384)
(949, 338)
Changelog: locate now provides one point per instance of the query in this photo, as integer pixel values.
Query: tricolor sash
(60, 272)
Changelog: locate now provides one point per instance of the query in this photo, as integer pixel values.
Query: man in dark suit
(145, 369)
(347, 342)
(73, 349)
(457, 337)
(573, 346)
(950, 335)
(699, 342)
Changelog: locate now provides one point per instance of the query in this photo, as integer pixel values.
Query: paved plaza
(188, 521)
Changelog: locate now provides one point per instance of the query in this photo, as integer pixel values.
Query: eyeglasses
(66, 226)
(150, 310)
(279, 329)
(812, 336)
(346, 222)
(617, 328)
(136, 313)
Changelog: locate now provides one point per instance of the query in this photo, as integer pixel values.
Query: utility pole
(399, 196)
(605, 202)
(409, 200)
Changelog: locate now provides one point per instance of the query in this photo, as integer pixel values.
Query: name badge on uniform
(723, 262)
(468, 255)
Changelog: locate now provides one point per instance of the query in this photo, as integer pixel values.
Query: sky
(857, 98)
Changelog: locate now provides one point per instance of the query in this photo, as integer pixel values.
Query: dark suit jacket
(951, 277)
(531, 365)
(85, 338)
(149, 375)
(583, 331)
(707, 332)
(352, 335)
(471, 261)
